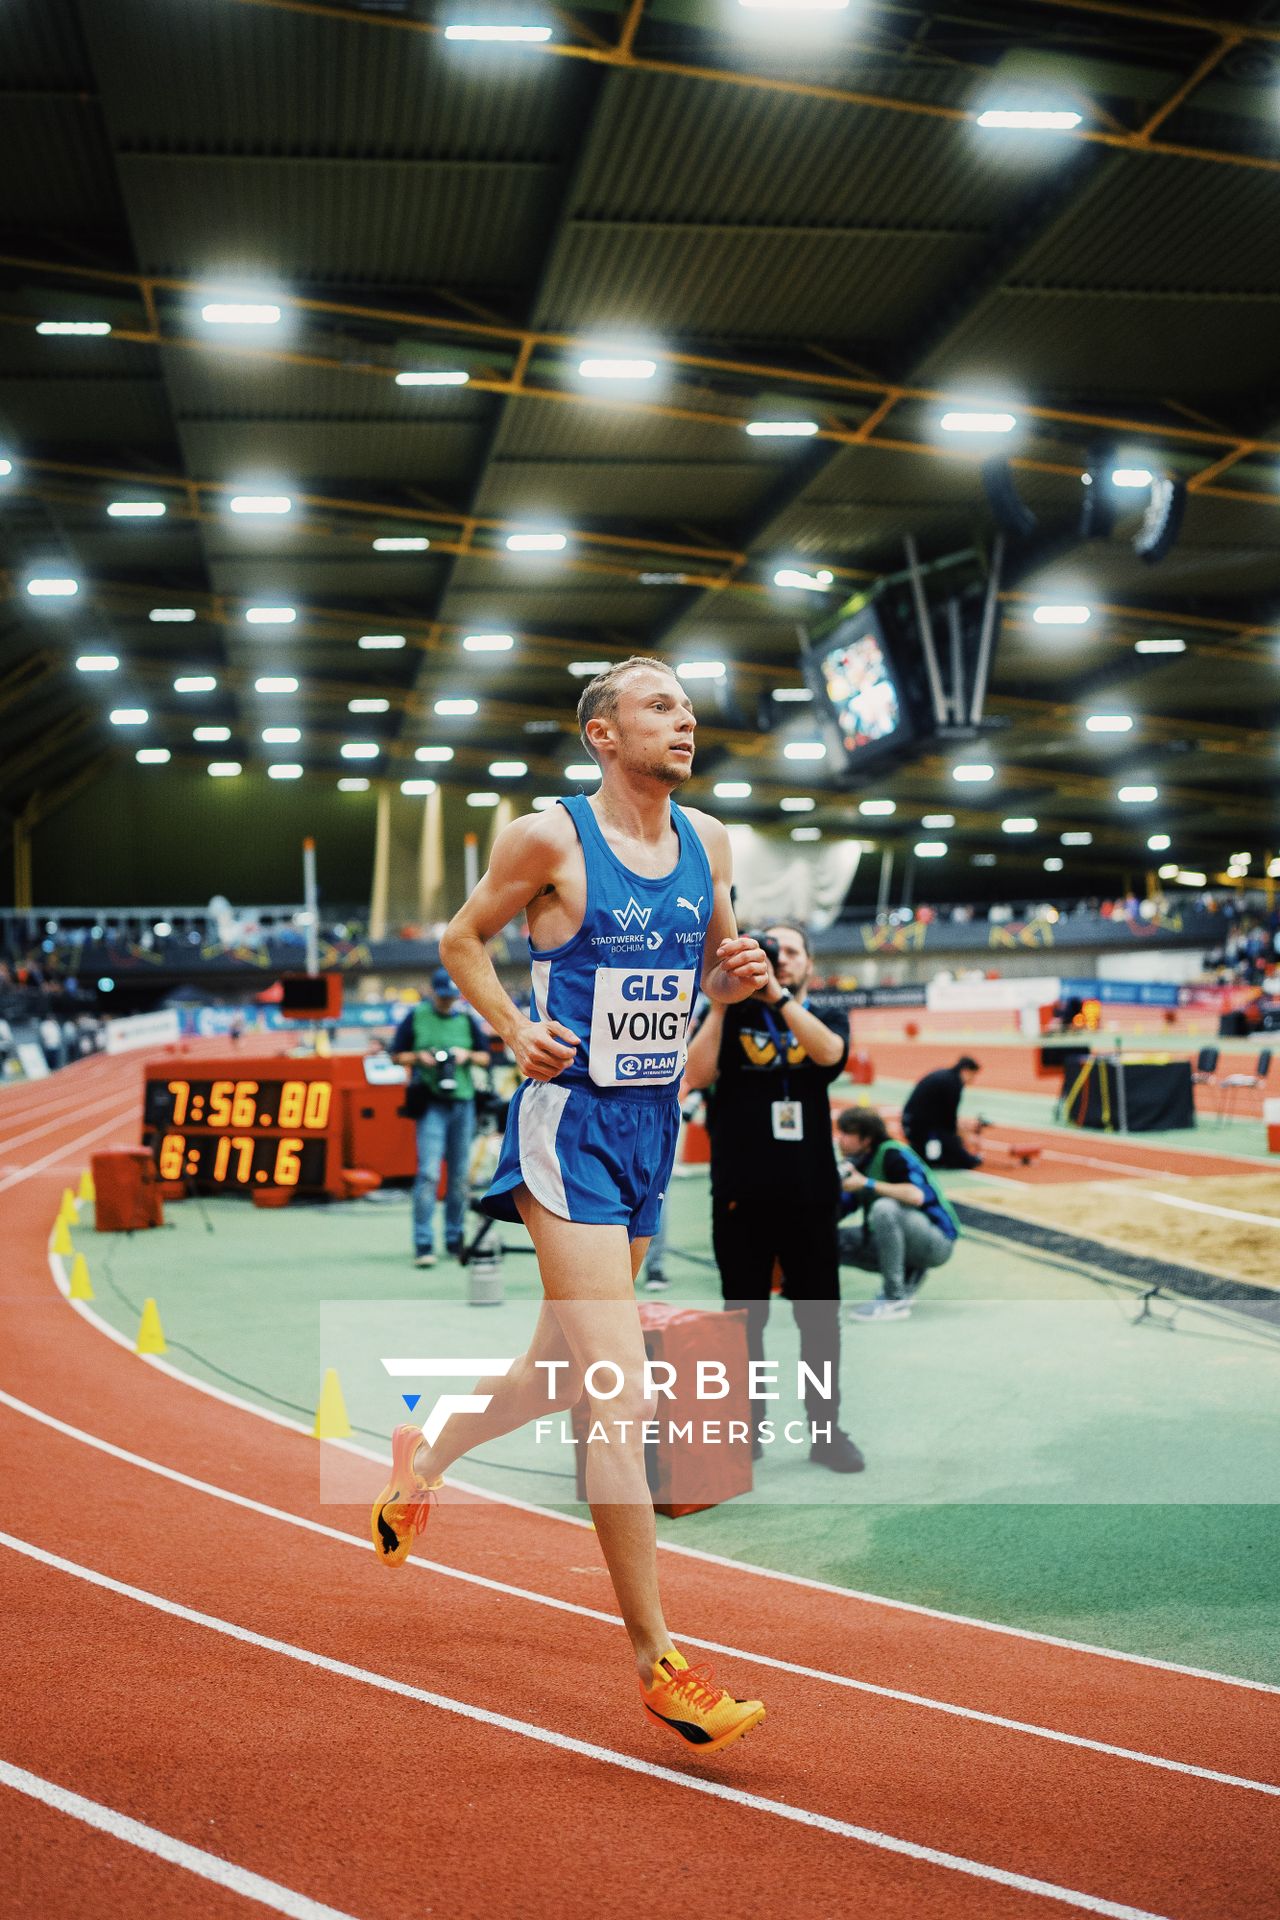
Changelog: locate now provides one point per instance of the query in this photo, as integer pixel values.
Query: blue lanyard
(781, 1038)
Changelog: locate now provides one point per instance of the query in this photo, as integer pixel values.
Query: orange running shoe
(402, 1509)
(687, 1701)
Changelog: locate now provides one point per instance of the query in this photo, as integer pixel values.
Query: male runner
(627, 898)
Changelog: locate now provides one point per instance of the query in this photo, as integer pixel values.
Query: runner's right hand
(543, 1048)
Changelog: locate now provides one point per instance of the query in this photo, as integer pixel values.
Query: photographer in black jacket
(775, 1191)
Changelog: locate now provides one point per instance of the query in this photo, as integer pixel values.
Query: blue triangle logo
(411, 1400)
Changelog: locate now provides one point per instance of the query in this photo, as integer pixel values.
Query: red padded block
(686, 1476)
(126, 1191)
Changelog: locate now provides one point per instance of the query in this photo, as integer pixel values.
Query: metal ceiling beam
(627, 61)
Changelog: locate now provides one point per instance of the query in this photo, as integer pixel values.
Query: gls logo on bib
(638, 1025)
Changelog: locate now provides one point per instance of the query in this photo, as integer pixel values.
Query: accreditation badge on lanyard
(787, 1115)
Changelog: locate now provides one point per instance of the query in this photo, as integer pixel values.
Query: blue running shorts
(601, 1159)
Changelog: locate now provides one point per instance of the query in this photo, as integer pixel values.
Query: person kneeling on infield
(906, 1228)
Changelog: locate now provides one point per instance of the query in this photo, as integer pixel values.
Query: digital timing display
(240, 1133)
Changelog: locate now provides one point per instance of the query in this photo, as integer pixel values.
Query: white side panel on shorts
(541, 971)
(541, 1107)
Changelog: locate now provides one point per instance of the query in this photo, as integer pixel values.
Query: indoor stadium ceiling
(792, 221)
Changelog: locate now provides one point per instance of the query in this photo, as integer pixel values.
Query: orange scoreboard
(242, 1125)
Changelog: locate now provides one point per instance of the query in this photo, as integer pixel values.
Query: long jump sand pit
(1228, 1227)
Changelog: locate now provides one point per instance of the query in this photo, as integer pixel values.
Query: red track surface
(347, 1788)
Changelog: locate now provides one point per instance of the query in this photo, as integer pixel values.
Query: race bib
(639, 1021)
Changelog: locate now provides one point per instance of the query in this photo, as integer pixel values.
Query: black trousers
(953, 1151)
(747, 1236)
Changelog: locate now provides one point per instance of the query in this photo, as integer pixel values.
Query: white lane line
(124, 1101)
(476, 1492)
(535, 1598)
(118, 1125)
(1204, 1206)
(223, 1873)
(587, 1749)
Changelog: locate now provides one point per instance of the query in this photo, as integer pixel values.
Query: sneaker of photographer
(882, 1308)
(655, 1280)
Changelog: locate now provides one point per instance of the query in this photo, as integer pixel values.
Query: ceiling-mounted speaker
(1098, 506)
(1162, 521)
(1011, 515)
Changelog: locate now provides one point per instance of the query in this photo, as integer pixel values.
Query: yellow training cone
(331, 1414)
(81, 1285)
(61, 1238)
(150, 1332)
(68, 1211)
(85, 1191)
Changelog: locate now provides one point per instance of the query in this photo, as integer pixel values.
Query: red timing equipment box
(126, 1191)
(687, 1475)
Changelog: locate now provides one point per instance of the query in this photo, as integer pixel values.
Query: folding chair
(1232, 1083)
(1204, 1072)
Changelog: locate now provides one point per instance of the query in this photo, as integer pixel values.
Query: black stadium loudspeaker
(1011, 516)
(1162, 521)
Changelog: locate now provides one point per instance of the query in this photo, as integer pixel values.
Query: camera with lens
(769, 947)
(446, 1078)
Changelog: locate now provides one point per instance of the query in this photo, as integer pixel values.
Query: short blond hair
(599, 699)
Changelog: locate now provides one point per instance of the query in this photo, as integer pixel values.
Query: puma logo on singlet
(695, 911)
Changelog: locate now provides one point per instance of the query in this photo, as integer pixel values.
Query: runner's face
(794, 965)
(654, 726)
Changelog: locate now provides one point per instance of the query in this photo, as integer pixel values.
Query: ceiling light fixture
(459, 706)
(930, 849)
(701, 670)
(443, 377)
(804, 750)
(260, 504)
(464, 31)
(874, 809)
(797, 803)
(402, 543)
(381, 642)
(175, 615)
(152, 756)
(782, 429)
(582, 770)
(1131, 477)
(92, 328)
(271, 616)
(97, 663)
(129, 717)
(1019, 823)
(937, 820)
(973, 773)
(433, 753)
(285, 770)
(961, 422)
(1076, 839)
(1169, 645)
(239, 313)
(485, 799)
(195, 683)
(359, 750)
(787, 695)
(596, 369)
(281, 736)
(210, 736)
(416, 788)
(732, 789)
(803, 582)
(1159, 843)
(507, 769)
(223, 769)
(53, 587)
(276, 683)
(136, 510)
(1109, 723)
(588, 669)
(1138, 796)
(353, 783)
(488, 642)
(536, 542)
(1031, 119)
(368, 706)
(1053, 615)
(806, 833)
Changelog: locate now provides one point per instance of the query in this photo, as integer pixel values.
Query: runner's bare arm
(704, 1053)
(524, 860)
(734, 966)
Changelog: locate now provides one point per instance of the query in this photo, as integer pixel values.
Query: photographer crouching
(440, 1044)
(906, 1229)
(775, 1191)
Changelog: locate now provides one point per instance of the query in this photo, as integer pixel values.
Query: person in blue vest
(906, 1227)
(440, 1043)
(627, 899)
